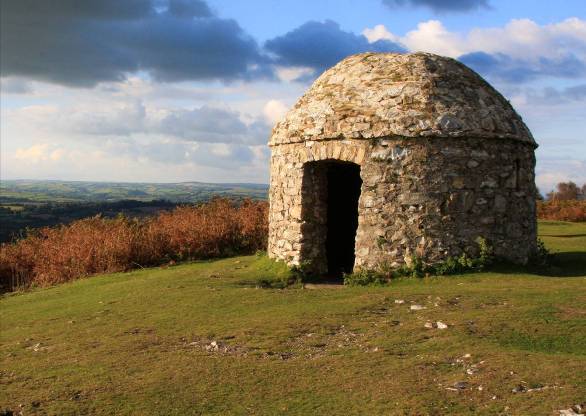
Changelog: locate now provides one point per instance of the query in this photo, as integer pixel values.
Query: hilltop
(220, 337)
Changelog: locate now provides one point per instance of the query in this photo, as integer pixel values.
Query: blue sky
(180, 90)
(264, 20)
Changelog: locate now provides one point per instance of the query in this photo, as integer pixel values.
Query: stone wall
(430, 197)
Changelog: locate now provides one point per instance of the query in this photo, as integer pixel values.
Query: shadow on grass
(291, 281)
(566, 264)
(323, 279)
(269, 283)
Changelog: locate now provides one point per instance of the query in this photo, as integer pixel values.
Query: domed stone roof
(373, 95)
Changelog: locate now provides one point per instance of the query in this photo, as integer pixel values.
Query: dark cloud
(204, 125)
(189, 8)
(440, 6)
(576, 93)
(120, 120)
(320, 45)
(45, 11)
(552, 96)
(175, 152)
(213, 125)
(505, 68)
(15, 86)
(84, 42)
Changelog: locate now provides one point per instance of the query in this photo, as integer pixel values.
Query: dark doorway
(343, 183)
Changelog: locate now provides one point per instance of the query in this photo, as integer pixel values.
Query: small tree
(565, 191)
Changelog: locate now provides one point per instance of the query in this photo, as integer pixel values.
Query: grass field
(202, 338)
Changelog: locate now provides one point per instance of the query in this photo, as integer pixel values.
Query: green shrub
(365, 278)
(418, 269)
(542, 256)
(486, 257)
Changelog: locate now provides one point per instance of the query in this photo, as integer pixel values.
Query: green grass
(139, 343)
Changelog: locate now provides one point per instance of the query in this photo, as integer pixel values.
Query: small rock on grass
(417, 307)
(213, 346)
(399, 301)
(438, 325)
(460, 385)
(576, 410)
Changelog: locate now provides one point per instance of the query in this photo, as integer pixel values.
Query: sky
(189, 90)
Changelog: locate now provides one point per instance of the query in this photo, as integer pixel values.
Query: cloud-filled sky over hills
(177, 90)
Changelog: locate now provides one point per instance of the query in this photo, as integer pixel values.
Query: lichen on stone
(410, 95)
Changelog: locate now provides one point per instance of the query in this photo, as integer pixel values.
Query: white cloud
(274, 111)
(42, 153)
(379, 32)
(432, 36)
(293, 73)
(521, 38)
(33, 154)
(220, 149)
(552, 172)
(57, 154)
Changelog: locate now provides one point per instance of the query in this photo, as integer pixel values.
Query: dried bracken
(560, 210)
(98, 245)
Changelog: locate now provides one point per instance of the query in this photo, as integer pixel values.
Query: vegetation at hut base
(218, 337)
(418, 268)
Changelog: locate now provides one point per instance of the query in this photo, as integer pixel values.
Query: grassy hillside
(204, 338)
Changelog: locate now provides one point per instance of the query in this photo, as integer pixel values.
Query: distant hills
(26, 204)
(73, 191)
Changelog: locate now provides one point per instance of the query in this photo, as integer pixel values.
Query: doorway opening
(343, 192)
(330, 193)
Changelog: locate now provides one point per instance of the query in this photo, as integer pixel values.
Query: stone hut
(389, 156)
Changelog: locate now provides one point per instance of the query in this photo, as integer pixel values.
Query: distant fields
(212, 338)
(26, 203)
(64, 191)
